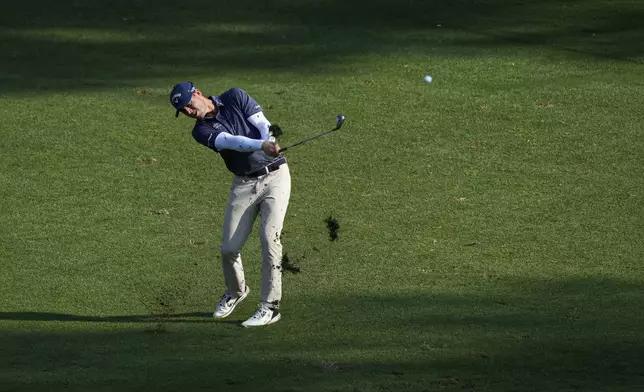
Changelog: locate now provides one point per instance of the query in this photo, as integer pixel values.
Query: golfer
(233, 125)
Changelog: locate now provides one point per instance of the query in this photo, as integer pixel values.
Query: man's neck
(213, 108)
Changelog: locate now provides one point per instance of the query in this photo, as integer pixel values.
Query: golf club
(339, 120)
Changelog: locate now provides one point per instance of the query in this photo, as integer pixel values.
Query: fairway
(491, 221)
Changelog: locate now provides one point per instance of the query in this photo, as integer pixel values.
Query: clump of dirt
(288, 266)
(148, 161)
(162, 307)
(333, 226)
(194, 242)
(275, 130)
(164, 304)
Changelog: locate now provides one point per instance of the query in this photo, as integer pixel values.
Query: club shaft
(308, 139)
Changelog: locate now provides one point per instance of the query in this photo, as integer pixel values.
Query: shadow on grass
(194, 317)
(69, 44)
(511, 334)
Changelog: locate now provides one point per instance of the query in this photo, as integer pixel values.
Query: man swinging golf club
(233, 125)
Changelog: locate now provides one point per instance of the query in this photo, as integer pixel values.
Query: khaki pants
(268, 196)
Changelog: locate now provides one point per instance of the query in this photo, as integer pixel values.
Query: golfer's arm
(261, 123)
(226, 141)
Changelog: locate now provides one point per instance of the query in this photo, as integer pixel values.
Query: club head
(339, 120)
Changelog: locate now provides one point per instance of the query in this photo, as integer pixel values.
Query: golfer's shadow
(195, 317)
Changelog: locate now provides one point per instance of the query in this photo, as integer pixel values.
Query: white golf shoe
(227, 304)
(263, 316)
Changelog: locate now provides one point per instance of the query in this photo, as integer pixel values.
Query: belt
(267, 169)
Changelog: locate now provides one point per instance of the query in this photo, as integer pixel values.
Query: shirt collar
(217, 100)
(218, 103)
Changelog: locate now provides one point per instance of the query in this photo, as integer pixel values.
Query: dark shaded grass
(513, 334)
(70, 45)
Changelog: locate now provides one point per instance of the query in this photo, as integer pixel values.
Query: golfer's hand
(271, 149)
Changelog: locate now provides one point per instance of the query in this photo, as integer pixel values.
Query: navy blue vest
(234, 106)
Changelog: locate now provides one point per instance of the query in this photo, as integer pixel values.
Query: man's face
(197, 107)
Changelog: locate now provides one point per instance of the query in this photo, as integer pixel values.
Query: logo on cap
(181, 95)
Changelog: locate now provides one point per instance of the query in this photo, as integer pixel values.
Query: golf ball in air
(428, 78)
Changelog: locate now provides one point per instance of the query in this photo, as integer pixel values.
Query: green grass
(491, 222)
